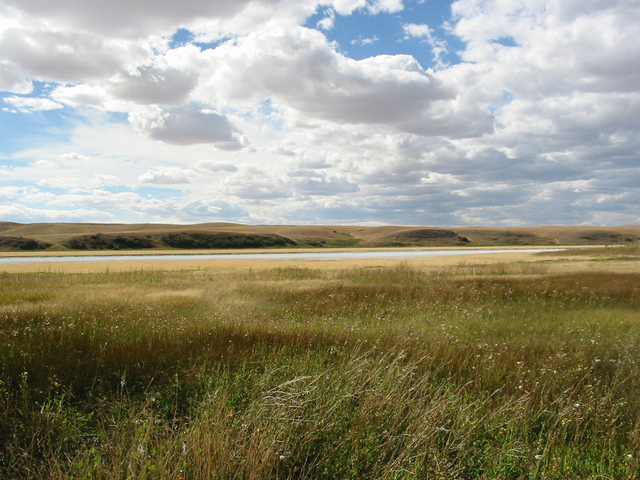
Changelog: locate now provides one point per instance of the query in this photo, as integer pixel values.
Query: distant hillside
(88, 236)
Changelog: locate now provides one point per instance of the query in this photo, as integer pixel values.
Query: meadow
(516, 370)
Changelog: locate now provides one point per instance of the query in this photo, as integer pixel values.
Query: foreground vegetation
(498, 371)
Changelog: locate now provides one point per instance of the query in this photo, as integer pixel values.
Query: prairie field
(497, 370)
(79, 237)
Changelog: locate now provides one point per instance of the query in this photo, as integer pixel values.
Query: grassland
(83, 236)
(503, 370)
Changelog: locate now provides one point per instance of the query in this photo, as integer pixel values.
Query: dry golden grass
(497, 366)
(360, 236)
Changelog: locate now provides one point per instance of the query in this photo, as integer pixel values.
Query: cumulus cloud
(25, 104)
(130, 18)
(83, 95)
(11, 193)
(328, 21)
(22, 213)
(135, 19)
(210, 210)
(256, 185)
(390, 6)
(105, 180)
(150, 85)
(104, 200)
(46, 164)
(553, 48)
(426, 34)
(417, 30)
(168, 79)
(215, 166)
(13, 80)
(166, 176)
(74, 157)
(65, 56)
(187, 125)
(541, 111)
(324, 185)
(74, 182)
(299, 69)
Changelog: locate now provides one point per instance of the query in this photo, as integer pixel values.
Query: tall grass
(492, 372)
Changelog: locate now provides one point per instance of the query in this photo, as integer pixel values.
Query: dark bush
(191, 240)
(22, 243)
(110, 242)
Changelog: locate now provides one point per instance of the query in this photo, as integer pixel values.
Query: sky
(499, 113)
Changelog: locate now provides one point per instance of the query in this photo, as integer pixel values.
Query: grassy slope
(347, 235)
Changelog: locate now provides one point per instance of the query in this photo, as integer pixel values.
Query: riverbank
(316, 258)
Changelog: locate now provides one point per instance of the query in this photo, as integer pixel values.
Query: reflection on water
(364, 254)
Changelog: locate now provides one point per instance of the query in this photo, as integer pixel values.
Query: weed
(502, 371)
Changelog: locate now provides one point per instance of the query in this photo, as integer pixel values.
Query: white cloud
(167, 79)
(140, 19)
(346, 7)
(13, 80)
(423, 31)
(62, 183)
(83, 95)
(327, 22)
(557, 49)
(364, 41)
(103, 200)
(74, 157)
(542, 112)
(129, 19)
(22, 213)
(46, 164)
(11, 193)
(215, 166)
(187, 125)
(390, 6)
(166, 176)
(151, 86)
(303, 73)
(105, 180)
(417, 30)
(210, 210)
(25, 104)
(65, 57)
(324, 185)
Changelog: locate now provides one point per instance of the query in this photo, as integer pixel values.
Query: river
(328, 255)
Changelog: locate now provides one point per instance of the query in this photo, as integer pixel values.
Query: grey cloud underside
(63, 57)
(12, 79)
(151, 85)
(182, 128)
(130, 18)
(189, 125)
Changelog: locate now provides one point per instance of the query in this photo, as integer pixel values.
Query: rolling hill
(89, 236)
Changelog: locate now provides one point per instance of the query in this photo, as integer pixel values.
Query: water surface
(340, 255)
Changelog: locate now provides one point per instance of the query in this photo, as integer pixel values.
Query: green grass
(498, 372)
(348, 241)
